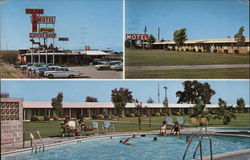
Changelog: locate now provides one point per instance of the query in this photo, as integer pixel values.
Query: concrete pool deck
(239, 155)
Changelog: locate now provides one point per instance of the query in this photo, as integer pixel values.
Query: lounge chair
(181, 121)
(169, 121)
(107, 125)
(95, 125)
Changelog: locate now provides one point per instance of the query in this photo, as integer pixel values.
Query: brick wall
(11, 120)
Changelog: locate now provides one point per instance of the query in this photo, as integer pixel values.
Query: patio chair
(181, 121)
(169, 121)
(95, 125)
(107, 125)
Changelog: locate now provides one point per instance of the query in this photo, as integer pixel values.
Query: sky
(203, 19)
(97, 23)
(74, 90)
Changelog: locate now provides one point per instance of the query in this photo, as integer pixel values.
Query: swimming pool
(229, 129)
(143, 148)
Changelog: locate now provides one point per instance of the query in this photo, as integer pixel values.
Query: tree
(194, 90)
(91, 99)
(240, 104)
(120, 98)
(239, 37)
(5, 95)
(180, 36)
(224, 112)
(150, 100)
(10, 57)
(151, 40)
(200, 110)
(57, 104)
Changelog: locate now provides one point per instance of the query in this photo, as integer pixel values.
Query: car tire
(50, 76)
(71, 76)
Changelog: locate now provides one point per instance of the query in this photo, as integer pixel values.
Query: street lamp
(166, 98)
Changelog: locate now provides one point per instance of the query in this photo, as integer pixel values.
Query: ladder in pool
(35, 146)
(199, 146)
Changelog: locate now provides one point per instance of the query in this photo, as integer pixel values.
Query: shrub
(106, 116)
(177, 114)
(46, 118)
(157, 114)
(94, 116)
(55, 118)
(40, 118)
(10, 57)
(128, 115)
(132, 115)
(80, 116)
(34, 118)
(100, 116)
(113, 116)
(162, 114)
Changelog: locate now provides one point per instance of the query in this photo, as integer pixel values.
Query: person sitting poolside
(176, 129)
(83, 126)
(126, 141)
(163, 129)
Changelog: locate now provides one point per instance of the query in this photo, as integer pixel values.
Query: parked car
(41, 71)
(117, 67)
(62, 72)
(102, 66)
(25, 66)
(32, 67)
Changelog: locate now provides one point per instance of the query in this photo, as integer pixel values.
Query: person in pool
(155, 139)
(133, 136)
(176, 129)
(163, 129)
(188, 139)
(126, 141)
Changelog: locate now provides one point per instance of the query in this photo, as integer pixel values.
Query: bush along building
(92, 109)
(226, 45)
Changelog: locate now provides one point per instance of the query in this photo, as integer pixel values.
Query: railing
(34, 144)
(199, 146)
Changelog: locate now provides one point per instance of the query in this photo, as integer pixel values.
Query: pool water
(143, 148)
(229, 129)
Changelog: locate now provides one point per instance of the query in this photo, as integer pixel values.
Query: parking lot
(89, 72)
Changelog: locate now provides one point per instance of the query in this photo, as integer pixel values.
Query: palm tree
(224, 112)
(200, 110)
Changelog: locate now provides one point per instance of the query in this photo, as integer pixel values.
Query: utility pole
(158, 93)
(145, 32)
(166, 98)
(158, 33)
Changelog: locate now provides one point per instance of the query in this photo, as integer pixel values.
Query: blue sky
(204, 19)
(97, 23)
(77, 90)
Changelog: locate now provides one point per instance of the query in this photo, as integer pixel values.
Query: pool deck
(239, 155)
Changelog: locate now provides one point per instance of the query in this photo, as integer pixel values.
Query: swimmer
(133, 136)
(188, 139)
(155, 139)
(126, 141)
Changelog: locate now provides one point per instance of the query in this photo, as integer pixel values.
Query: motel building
(226, 45)
(87, 109)
(79, 57)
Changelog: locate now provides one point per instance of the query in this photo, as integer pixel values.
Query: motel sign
(133, 37)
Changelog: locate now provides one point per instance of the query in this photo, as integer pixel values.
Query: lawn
(129, 124)
(230, 73)
(139, 57)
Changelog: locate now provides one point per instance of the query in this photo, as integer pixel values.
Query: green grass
(230, 73)
(139, 57)
(51, 128)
